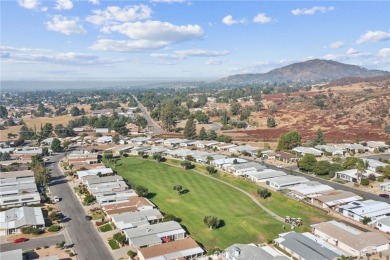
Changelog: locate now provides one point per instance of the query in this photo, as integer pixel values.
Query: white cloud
(336, 45)
(313, 10)
(28, 4)
(127, 46)
(373, 36)
(384, 53)
(202, 53)
(331, 57)
(65, 25)
(168, 1)
(352, 51)
(44, 9)
(166, 56)
(12, 54)
(63, 5)
(228, 20)
(214, 62)
(262, 18)
(94, 2)
(116, 14)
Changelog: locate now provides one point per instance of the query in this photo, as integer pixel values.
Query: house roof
(136, 219)
(9, 162)
(308, 150)
(173, 250)
(337, 197)
(368, 208)
(250, 252)
(266, 174)
(16, 174)
(95, 172)
(19, 217)
(13, 254)
(141, 236)
(306, 247)
(310, 187)
(384, 221)
(248, 165)
(134, 203)
(285, 155)
(289, 179)
(352, 237)
(228, 161)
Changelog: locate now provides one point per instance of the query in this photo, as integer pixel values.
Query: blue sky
(124, 40)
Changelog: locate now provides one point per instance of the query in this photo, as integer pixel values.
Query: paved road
(87, 242)
(377, 156)
(33, 243)
(156, 129)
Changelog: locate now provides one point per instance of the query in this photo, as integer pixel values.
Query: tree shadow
(163, 159)
(150, 195)
(191, 167)
(222, 223)
(185, 191)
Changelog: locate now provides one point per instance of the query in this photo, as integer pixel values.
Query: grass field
(105, 228)
(113, 244)
(244, 221)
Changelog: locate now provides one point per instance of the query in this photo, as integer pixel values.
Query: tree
(224, 118)
(107, 155)
(365, 182)
(224, 139)
(186, 164)
(211, 169)
(271, 122)
(386, 129)
(120, 238)
(56, 146)
(263, 193)
(26, 133)
(45, 151)
(167, 116)
(115, 139)
(141, 191)
(4, 156)
(75, 111)
(211, 221)
(289, 140)
(190, 158)
(366, 220)
(322, 168)
(3, 112)
(190, 129)
(307, 163)
(169, 217)
(213, 135)
(178, 188)
(47, 130)
(131, 254)
(245, 114)
(259, 153)
(157, 157)
(202, 134)
(235, 108)
(319, 139)
(89, 198)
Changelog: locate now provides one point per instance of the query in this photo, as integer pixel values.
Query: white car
(56, 199)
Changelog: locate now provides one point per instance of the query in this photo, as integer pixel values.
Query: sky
(181, 39)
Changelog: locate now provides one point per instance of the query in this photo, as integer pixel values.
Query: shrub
(54, 228)
(365, 182)
(131, 253)
(46, 246)
(30, 230)
(381, 179)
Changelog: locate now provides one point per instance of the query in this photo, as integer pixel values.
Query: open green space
(244, 221)
(113, 244)
(105, 228)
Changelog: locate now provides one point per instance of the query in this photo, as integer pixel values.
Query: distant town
(202, 173)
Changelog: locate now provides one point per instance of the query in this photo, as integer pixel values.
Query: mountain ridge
(316, 71)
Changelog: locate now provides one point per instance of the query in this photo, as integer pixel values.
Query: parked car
(20, 240)
(56, 199)
(88, 218)
(386, 196)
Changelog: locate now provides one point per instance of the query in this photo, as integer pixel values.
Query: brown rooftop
(335, 195)
(132, 204)
(285, 155)
(169, 248)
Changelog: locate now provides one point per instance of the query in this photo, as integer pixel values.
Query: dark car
(88, 218)
(386, 196)
(20, 240)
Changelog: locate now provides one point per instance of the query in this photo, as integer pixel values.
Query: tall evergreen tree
(202, 134)
(213, 135)
(271, 122)
(319, 139)
(190, 129)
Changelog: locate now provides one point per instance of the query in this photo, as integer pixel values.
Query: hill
(314, 71)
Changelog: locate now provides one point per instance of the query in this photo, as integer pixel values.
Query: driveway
(34, 243)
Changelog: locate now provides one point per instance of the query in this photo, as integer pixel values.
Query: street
(33, 243)
(84, 235)
(157, 130)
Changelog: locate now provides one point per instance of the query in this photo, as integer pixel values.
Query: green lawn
(113, 244)
(244, 221)
(105, 228)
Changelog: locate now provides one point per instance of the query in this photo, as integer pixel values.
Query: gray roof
(19, 217)
(20, 188)
(384, 221)
(248, 165)
(12, 255)
(307, 248)
(16, 174)
(148, 235)
(136, 219)
(94, 179)
(249, 252)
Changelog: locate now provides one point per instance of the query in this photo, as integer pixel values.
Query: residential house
(264, 175)
(334, 199)
(225, 147)
(385, 186)
(104, 139)
(139, 149)
(308, 150)
(188, 143)
(95, 172)
(16, 254)
(132, 204)
(173, 141)
(120, 149)
(383, 224)
(286, 157)
(102, 130)
(140, 140)
(375, 146)
(156, 150)
(353, 241)
(372, 164)
(284, 182)
(181, 249)
(334, 151)
(136, 219)
(308, 189)
(358, 210)
(353, 175)
(243, 169)
(12, 220)
(155, 234)
(19, 194)
(251, 252)
(206, 144)
(355, 148)
(305, 247)
(111, 197)
(224, 163)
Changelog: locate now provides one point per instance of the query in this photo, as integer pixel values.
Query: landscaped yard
(244, 221)
(105, 228)
(113, 244)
